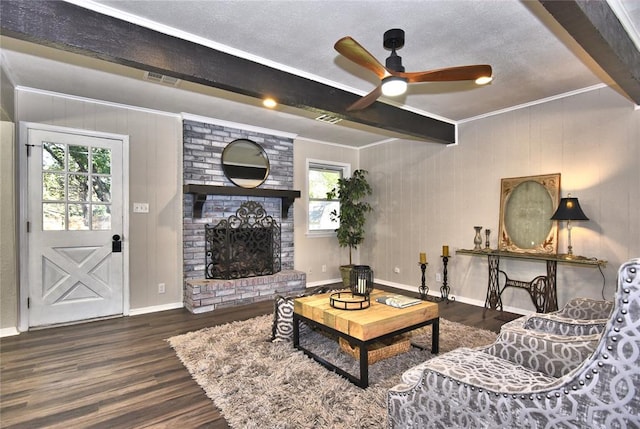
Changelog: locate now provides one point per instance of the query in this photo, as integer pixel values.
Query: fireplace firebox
(246, 244)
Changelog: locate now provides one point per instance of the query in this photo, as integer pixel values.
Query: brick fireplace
(202, 150)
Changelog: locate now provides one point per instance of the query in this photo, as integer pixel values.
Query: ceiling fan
(393, 78)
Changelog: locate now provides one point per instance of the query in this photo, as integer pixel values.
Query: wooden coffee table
(362, 327)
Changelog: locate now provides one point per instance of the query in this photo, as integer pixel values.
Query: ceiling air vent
(328, 119)
(160, 78)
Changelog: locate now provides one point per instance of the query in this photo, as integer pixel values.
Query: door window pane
(52, 156)
(53, 217)
(78, 158)
(101, 160)
(78, 187)
(101, 217)
(101, 189)
(53, 186)
(78, 217)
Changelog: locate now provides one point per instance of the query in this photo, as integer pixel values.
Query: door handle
(116, 244)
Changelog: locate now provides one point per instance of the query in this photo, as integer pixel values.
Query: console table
(542, 289)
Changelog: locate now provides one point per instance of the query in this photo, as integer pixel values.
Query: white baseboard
(324, 282)
(155, 308)
(9, 332)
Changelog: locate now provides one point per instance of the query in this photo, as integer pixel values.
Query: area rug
(260, 384)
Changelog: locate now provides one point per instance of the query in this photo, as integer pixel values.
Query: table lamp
(569, 209)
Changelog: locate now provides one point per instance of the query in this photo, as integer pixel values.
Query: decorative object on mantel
(445, 289)
(245, 163)
(351, 192)
(423, 289)
(477, 239)
(526, 206)
(487, 232)
(200, 193)
(569, 209)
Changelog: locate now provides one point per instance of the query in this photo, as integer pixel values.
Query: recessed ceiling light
(269, 102)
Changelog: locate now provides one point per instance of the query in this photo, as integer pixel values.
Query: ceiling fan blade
(359, 55)
(448, 74)
(367, 100)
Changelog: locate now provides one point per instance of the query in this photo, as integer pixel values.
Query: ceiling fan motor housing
(394, 39)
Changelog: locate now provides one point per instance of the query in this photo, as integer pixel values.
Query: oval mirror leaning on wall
(245, 163)
(526, 207)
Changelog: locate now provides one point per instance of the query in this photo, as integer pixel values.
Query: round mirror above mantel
(245, 163)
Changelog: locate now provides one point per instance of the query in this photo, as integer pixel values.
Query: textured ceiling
(533, 58)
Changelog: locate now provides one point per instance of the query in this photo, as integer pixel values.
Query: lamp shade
(569, 209)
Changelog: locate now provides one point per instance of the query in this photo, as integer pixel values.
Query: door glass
(53, 217)
(53, 156)
(101, 217)
(101, 189)
(78, 217)
(101, 160)
(76, 187)
(78, 158)
(53, 186)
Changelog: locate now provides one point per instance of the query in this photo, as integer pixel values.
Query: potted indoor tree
(351, 193)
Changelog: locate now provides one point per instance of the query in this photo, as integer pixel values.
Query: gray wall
(155, 177)
(428, 195)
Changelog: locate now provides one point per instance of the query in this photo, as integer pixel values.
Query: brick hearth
(206, 295)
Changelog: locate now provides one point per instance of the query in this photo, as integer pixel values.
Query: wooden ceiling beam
(595, 26)
(68, 27)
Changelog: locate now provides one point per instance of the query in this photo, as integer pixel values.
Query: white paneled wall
(155, 159)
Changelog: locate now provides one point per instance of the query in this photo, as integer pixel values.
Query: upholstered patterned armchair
(580, 316)
(510, 383)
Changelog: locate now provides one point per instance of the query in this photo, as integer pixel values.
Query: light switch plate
(141, 207)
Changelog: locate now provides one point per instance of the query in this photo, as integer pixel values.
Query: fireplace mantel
(200, 193)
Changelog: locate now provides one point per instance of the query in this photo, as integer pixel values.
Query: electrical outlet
(324, 268)
(396, 270)
(161, 288)
(438, 277)
(141, 207)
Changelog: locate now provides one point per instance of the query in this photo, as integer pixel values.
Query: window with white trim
(322, 177)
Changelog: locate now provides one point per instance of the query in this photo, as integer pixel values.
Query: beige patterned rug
(260, 384)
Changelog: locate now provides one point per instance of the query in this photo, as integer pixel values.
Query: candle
(423, 258)
(445, 250)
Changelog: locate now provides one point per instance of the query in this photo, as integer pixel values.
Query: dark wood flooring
(121, 373)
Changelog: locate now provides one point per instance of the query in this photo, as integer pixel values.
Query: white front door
(74, 208)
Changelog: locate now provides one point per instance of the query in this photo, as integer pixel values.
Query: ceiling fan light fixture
(393, 86)
(483, 80)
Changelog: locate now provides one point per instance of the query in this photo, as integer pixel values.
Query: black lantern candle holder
(361, 280)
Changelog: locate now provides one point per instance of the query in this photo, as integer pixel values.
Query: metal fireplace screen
(246, 244)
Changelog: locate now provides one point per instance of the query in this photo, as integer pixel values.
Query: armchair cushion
(553, 355)
(475, 367)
